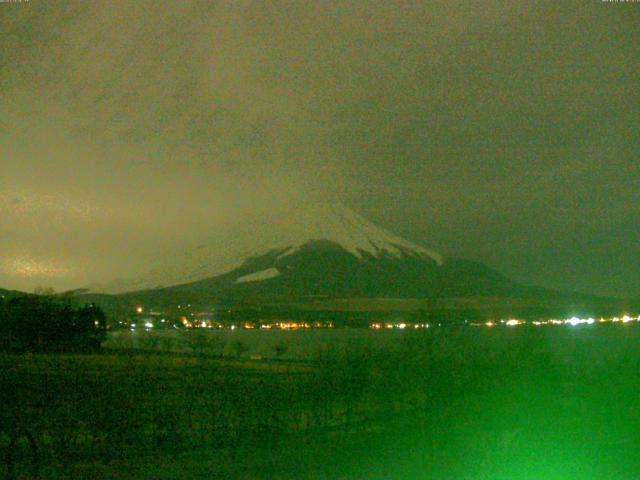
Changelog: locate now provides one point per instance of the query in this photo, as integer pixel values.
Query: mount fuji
(324, 250)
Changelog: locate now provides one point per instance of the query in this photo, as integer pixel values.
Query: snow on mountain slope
(259, 276)
(286, 232)
(352, 231)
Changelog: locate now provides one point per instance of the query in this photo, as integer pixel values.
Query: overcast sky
(506, 132)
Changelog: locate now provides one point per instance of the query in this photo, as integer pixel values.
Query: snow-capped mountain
(312, 257)
(281, 238)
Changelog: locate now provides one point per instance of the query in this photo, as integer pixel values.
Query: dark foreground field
(555, 402)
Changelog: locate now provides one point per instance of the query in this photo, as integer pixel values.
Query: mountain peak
(287, 231)
(341, 225)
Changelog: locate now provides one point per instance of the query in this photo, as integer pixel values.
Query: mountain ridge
(287, 232)
(307, 256)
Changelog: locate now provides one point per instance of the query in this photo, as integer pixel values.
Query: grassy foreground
(522, 403)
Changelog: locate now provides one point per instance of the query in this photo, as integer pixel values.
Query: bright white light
(148, 325)
(139, 309)
(573, 321)
(402, 325)
(513, 322)
(626, 319)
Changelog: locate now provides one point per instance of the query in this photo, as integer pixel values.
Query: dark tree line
(39, 323)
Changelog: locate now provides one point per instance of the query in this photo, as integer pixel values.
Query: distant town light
(139, 309)
(148, 325)
(573, 321)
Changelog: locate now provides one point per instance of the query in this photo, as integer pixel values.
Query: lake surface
(600, 340)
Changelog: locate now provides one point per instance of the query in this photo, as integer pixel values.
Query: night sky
(505, 132)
